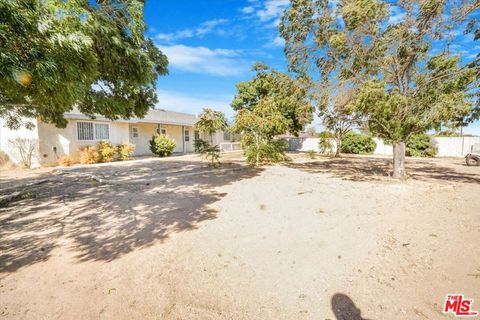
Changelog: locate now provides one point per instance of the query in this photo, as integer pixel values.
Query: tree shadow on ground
(380, 169)
(100, 219)
(344, 308)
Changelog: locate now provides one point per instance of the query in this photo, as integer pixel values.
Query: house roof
(153, 116)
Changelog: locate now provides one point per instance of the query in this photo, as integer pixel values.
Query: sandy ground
(313, 239)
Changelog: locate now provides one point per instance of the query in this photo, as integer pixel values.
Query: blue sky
(212, 44)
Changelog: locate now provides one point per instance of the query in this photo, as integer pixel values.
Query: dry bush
(106, 151)
(65, 161)
(27, 148)
(5, 162)
(125, 151)
(88, 155)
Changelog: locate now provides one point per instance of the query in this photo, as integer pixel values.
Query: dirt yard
(172, 239)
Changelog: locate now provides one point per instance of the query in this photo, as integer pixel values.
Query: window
(161, 130)
(197, 135)
(101, 131)
(187, 135)
(85, 130)
(227, 136)
(92, 131)
(134, 132)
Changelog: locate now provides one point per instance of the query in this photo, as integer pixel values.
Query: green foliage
(265, 152)
(161, 145)
(402, 86)
(325, 142)
(211, 121)
(311, 154)
(106, 151)
(91, 54)
(125, 151)
(212, 154)
(278, 92)
(88, 155)
(358, 143)
(270, 104)
(200, 146)
(420, 145)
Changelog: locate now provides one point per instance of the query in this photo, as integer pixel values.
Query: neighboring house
(82, 131)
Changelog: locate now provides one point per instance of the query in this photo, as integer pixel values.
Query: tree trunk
(399, 160)
(338, 142)
(257, 156)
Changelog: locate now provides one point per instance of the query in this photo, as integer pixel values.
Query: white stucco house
(82, 131)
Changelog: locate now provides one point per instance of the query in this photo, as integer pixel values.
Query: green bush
(325, 143)
(106, 151)
(420, 145)
(161, 145)
(358, 143)
(125, 151)
(200, 146)
(212, 154)
(268, 151)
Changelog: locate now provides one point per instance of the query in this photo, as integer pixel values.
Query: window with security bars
(92, 131)
(85, 131)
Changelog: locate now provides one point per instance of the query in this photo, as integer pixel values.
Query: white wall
(382, 147)
(455, 146)
(6, 134)
(56, 142)
(447, 146)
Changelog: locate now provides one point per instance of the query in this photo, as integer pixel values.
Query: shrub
(200, 145)
(212, 154)
(161, 145)
(266, 152)
(311, 154)
(106, 151)
(88, 155)
(358, 143)
(125, 151)
(325, 143)
(65, 161)
(420, 145)
(5, 162)
(27, 148)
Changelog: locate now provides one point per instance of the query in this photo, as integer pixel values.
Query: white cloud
(202, 29)
(276, 42)
(203, 60)
(247, 10)
(183, 102)
(272, 9)
(397, 14)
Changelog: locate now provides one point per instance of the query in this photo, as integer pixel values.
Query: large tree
(403, 86)
(90, 54)
(270, 104)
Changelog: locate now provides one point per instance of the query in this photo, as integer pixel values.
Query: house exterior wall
(145, 133)
(7, 134)
(147, 130)
(56, 142)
